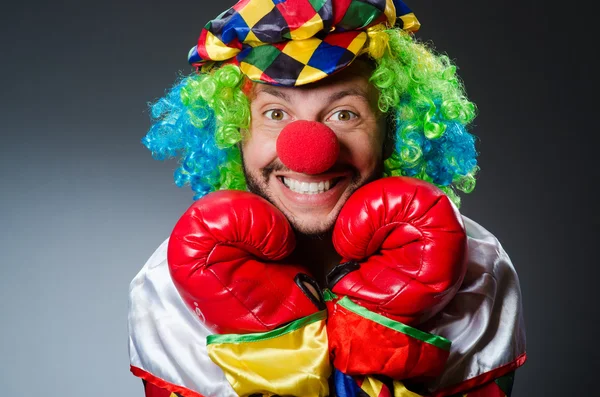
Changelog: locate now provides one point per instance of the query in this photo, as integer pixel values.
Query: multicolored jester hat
(295, 42)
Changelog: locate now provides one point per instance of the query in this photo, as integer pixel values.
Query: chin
(310, 228)
(311, 221)
(312, 215)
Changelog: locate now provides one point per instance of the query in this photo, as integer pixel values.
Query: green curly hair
(202, 117)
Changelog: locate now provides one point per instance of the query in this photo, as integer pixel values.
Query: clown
(325, 253)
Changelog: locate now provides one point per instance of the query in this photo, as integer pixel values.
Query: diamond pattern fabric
(295, 42)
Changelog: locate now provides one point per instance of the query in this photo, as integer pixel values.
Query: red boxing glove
(404, 244)
(226, 257)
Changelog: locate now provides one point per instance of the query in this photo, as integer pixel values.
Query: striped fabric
(151, 390)
(363, 386)
(501, 387)
(295, 42)
(347, 386)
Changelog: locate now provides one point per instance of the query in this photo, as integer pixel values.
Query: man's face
(345, 102)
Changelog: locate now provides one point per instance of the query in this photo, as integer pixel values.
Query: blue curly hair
(200, 119)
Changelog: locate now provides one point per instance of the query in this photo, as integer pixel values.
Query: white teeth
(305, 187)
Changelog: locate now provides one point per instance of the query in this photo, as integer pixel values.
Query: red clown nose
(308, 147)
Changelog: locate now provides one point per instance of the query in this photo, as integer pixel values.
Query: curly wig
(201, 118)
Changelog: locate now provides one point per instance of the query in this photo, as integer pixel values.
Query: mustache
(274, 166)
(277, 166)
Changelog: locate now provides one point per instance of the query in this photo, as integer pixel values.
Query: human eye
(275, 114)
(342, 115)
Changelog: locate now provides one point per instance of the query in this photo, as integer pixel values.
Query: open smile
(312, 191)
(309, 187)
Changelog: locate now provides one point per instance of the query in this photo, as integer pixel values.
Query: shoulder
(155, 263)
(484, 321)
(165, 339)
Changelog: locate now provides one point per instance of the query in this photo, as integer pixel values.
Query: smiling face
(346, 103)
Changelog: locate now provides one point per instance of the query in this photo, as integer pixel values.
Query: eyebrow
(275, 92)
(332, 98)
(350, 92)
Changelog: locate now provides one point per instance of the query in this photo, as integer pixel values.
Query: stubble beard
(258, 185)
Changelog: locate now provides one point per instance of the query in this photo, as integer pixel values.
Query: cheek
(365, 150)
(259, 150)
(369, 154)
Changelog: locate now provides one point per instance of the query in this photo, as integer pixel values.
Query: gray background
(84, 204)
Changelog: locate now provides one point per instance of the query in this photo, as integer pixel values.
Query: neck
(318, 255)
